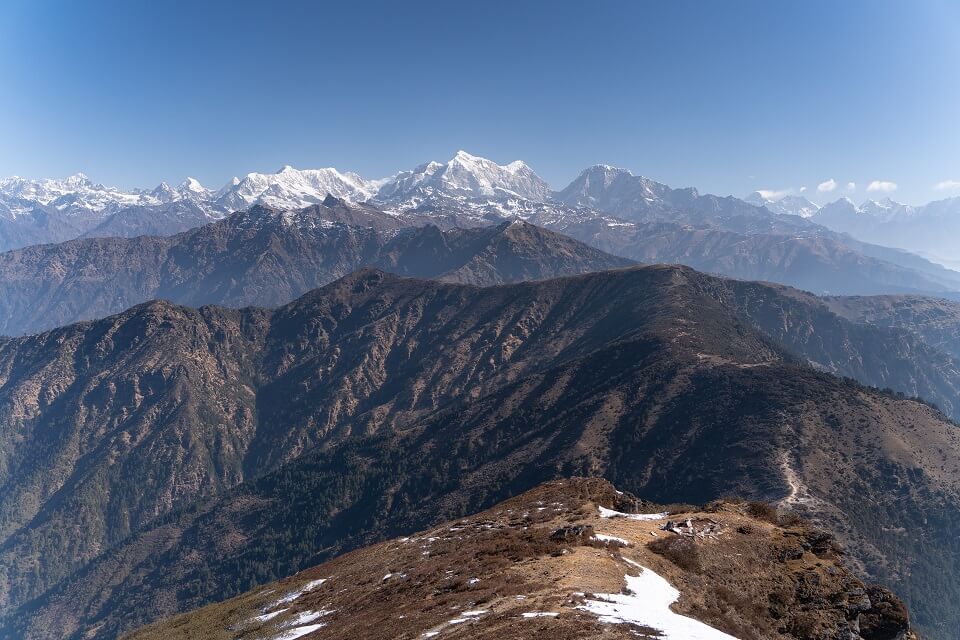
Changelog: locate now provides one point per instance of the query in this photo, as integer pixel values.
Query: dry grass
(538, 553)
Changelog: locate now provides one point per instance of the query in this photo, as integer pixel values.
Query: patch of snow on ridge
(467, 616)
(293, 634)
(304, 617)
(647, 603)
(601, 537)
(293, 595)
(267, 616)
(610, 513)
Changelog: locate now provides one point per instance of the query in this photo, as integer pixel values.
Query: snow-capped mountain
(464, 175)
(293, 188)
(55, 210)
(869, 212)
(466, 190)
(787, 205)
(931, 230)
(77, 192)
(887, 210)
(620, 193)
(842, 207)
(189, 190)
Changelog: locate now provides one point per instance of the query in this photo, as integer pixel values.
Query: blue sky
(727, 96)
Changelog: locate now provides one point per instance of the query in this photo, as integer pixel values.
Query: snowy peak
(77, 195)
(466, 175)
(73, 193)
(786, 205)
(192, 185)
(605, 172)
(293, 188)
(886, 210)
(164, 193)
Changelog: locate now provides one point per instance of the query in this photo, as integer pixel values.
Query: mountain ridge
(524, 568)
(267, 257)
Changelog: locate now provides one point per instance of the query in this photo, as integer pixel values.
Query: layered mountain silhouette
(267, 257)
(168, 457)
(607, 207)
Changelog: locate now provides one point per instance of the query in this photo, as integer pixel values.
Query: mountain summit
(466, 175)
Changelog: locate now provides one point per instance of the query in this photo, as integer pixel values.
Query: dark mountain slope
(464, 396)
(513, 251)
(879, 356)
(758, 424)
(107, 425)
(266, 257)
(219, 396)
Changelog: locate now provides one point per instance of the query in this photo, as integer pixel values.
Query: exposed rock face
(529, 567)
(156, 458)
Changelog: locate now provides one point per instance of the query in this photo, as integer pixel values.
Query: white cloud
(828, 186)
(803, 189)
(774, 194)
(851, 186)
(947, 185)
(882, 185)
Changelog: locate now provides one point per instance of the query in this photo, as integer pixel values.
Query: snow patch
(610, 513)
(267, 616)
(292, 634)
(600, 537)
(304, 617)
(467, 616)
(647, 603)
(293, 595)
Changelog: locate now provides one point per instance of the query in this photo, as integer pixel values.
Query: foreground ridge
(555, 562)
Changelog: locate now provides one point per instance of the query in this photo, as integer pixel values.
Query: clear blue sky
(726, 96)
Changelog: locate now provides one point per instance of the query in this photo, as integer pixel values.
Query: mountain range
(929, 230)
(609, 208)
(205, 391)
(168, 457)
(267, 257)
